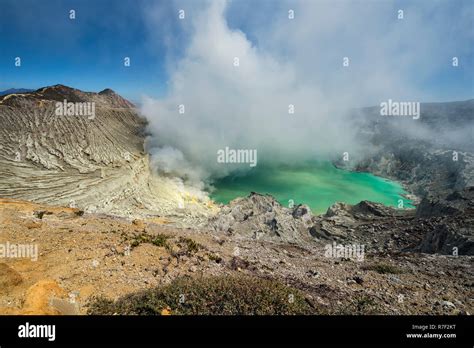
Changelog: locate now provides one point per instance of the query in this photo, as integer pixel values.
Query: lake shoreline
(318, 185)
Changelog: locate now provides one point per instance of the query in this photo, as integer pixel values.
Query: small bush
(191, 246)
(233, 295)
(160, 240)
(215, 258)
(361, 305)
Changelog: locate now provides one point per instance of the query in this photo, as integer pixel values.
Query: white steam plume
(298, 62)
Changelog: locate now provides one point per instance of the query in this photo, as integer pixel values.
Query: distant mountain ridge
(106, 98)
(15, 90)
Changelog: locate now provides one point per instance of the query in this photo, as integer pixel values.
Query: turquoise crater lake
(319, 185)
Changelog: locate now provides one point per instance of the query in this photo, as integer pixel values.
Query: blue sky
(88, 52)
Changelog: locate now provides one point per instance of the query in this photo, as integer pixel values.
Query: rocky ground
(84, 256)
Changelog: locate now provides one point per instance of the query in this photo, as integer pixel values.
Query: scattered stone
(394, 279)
(40, 213)
(33, 224)
(237, 263)
(448, 304)
(312, 273)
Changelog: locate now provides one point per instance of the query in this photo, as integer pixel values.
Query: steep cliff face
(432, 155)
(34, 135)
(91, 158)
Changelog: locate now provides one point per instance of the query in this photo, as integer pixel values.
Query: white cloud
(296, 62)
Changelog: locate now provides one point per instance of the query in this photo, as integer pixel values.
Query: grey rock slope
(432, 155)
(454, 231)
(379, 228)
(97, 164)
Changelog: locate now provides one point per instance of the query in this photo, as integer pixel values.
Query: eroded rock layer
(95, 163)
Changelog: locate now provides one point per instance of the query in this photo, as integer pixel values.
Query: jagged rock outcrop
(378, 227)
(366, 208)
(434, 228)
(344, 222)
(448, 239)
(262, 217)
(454, 204)
(454, 232)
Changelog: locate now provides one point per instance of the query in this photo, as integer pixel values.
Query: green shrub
(214, 257)
(361, 305)
(232, 295)
(191, 246)
(160, 240)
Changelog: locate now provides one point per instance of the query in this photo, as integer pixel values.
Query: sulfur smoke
(230, 88)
